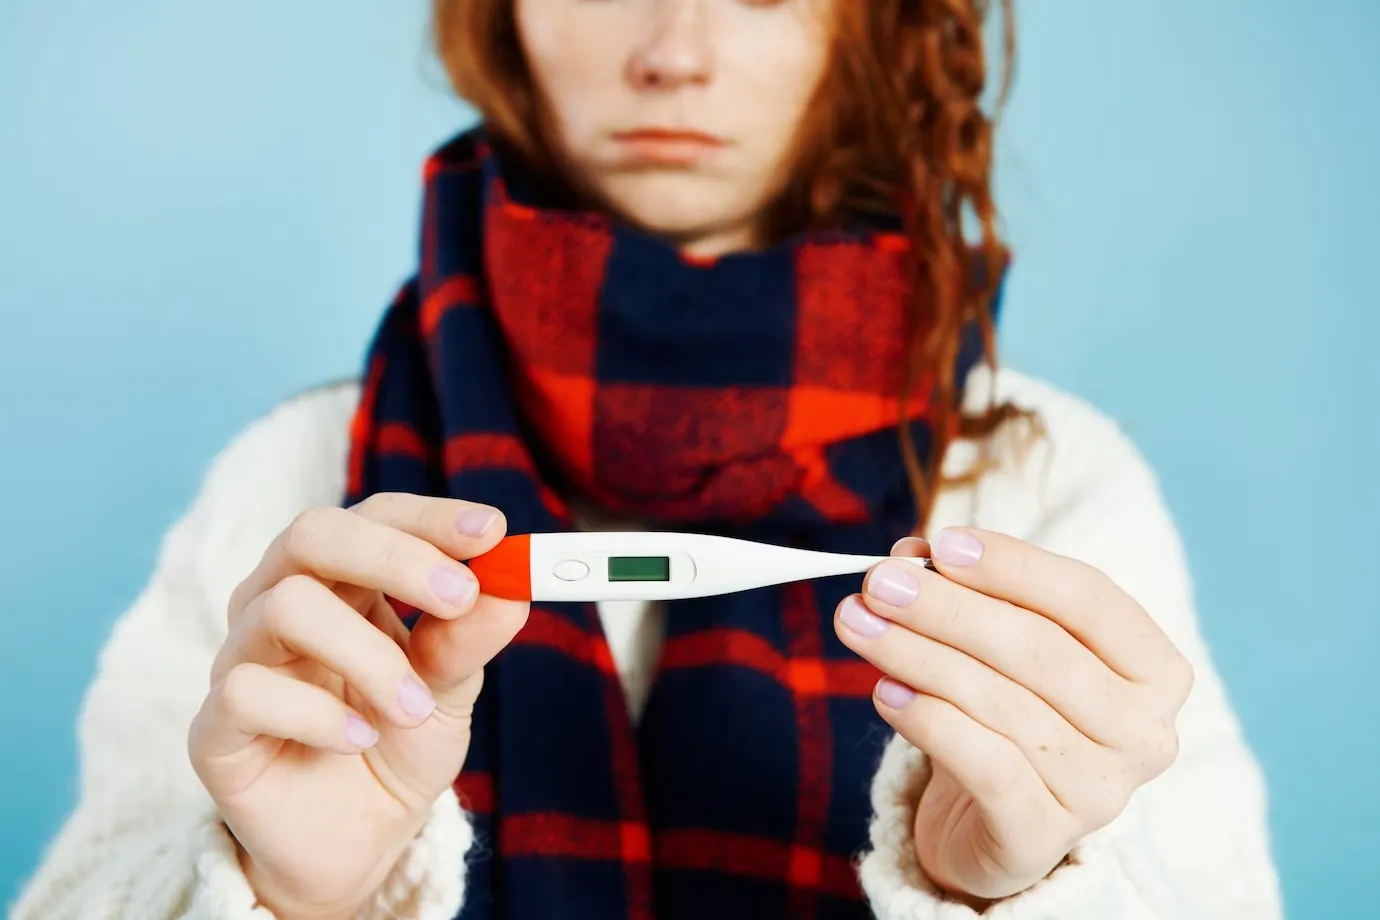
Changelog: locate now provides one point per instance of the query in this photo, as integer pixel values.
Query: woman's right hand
(330, 730)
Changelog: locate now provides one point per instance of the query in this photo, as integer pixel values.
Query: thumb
(449, 655)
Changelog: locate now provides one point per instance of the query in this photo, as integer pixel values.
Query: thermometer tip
(506, 570)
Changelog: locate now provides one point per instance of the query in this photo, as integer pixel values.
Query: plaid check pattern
(542, 351)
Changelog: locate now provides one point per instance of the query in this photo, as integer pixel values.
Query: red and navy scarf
(543, 353)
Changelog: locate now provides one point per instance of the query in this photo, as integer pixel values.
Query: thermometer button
(570, 570)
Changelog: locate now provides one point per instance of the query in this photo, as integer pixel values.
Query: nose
(674, 50)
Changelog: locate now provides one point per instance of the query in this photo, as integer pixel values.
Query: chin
(677, 207)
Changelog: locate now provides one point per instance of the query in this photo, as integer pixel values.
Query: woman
(698, 263)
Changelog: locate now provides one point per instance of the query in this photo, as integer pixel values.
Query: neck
(719, 242)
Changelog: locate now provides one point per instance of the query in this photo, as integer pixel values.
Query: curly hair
(896, 126)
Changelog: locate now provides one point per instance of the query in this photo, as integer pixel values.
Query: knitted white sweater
(145, 842)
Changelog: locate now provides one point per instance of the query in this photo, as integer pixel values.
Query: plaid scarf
(542, 352)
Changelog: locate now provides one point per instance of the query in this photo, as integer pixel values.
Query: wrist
(974, 903)
(956, 893)
(285, 907)
(981, 895)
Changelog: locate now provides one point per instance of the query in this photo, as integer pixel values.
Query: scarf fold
(543, 353)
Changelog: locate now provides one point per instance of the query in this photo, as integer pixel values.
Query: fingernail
(453, 586)
(359, 733)
(894, 694)
(954, 547)
(911, 547)
(861, 620)
(414, 698)
(474, 522)
(891, 584)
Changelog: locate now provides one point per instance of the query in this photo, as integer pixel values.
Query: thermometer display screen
(639, 568)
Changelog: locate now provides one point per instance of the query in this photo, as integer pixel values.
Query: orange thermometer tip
(506, 570)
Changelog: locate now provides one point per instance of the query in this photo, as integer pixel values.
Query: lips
(667, 146)
(669, 136)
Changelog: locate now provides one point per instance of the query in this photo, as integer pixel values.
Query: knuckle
(236, 690)
(1181, 678)
(1093, 585)
(1012, 710)
(1054, 659)
(221, 663)
(1103, 808)
(1160, 750)
(1099, 689)
(1001, 781)
(395, 555)
(1104, 586)
(195, 741)
(237, 601)
(923, 725)
(1099, 801)
(945, 608)
(305, 535)
(282, 604)
(380, 505)
(192, 743)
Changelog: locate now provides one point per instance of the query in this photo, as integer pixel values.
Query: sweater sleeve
(145, 841)
(1192, 844)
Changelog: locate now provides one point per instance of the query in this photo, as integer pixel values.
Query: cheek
(572, 64)
(775, 72)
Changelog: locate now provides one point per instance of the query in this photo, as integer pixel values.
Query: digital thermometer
(646, 566)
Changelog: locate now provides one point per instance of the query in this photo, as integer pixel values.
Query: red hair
(898, 119)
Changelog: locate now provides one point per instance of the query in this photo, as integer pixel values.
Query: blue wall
(203, 207)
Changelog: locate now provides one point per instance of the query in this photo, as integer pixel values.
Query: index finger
(1079, 597)
(460, 529)
(373, 543)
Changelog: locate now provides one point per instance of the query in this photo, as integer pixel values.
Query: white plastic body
(701, 565)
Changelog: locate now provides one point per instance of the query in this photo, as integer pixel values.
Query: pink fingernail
(359, 733)
(861, 620)
(911, 547)
(414, 699)
(892, 584)
(453, 586)
(893, 694)
(956, 548)
(475, 522)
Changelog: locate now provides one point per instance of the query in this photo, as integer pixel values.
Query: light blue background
(204, 206)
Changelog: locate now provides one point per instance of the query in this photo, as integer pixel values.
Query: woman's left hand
(1042, 693)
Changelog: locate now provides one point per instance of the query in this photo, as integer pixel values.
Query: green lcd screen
(639, 568)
